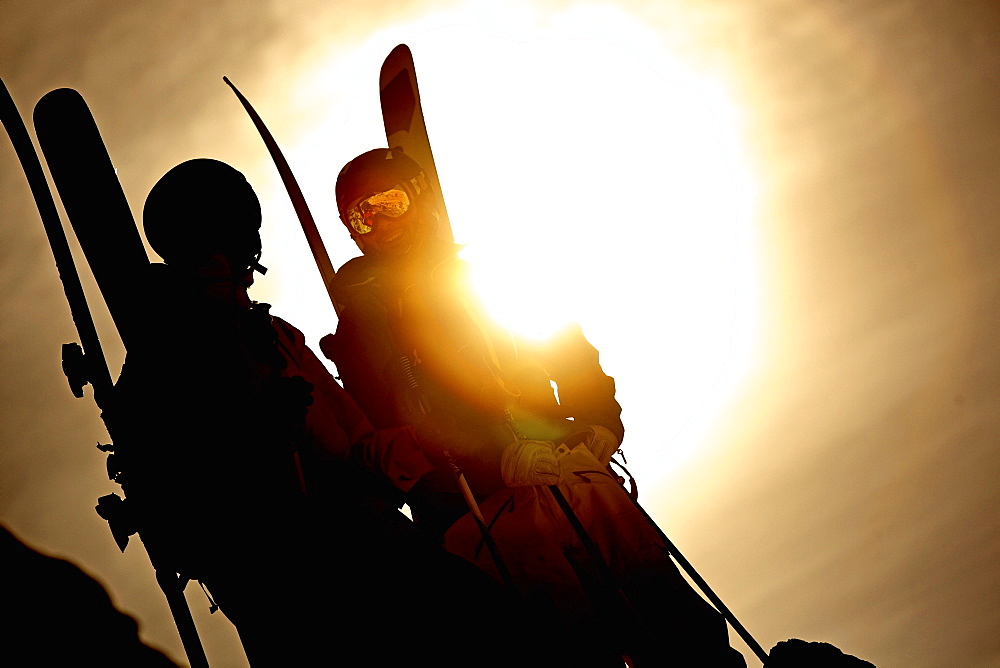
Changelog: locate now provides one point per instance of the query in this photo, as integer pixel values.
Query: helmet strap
(256, 265)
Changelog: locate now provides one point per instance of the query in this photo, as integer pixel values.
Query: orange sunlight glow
(594, 177)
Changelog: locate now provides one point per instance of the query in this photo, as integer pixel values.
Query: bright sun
(594, 178)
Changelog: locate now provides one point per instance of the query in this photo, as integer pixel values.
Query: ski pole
(606, 574)
(173, 586)
(463, 484)
(702, 584)
(604, 571)
(322, 258)
(484, 529)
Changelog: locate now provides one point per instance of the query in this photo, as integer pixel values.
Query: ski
(404, 128)
(316, 245)
(404, 121)
(94, 201)
(89, 364)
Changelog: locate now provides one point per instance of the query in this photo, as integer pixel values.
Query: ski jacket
(411, 343)
(337, 427)
(233, 423)
(412, 340)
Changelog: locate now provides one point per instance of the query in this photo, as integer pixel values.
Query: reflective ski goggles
(392, 203)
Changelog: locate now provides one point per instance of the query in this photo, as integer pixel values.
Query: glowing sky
(595, 177)
(776, 220)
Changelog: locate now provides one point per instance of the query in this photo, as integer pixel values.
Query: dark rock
(795, 653)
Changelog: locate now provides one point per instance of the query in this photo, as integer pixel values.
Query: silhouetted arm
(585, 392)
(340, 429)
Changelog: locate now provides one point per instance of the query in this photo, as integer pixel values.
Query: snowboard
(94, 201)
(404, 121)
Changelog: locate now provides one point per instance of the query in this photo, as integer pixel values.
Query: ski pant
(627, 599)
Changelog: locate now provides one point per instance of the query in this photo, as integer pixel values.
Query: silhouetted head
(384, 200)
(201, 208)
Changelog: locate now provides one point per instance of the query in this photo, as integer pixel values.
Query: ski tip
(60, 94)
(235, 90)
(399, 58)
(56, 102)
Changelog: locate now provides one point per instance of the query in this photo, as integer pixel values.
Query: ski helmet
(379, 171)
(202, 207)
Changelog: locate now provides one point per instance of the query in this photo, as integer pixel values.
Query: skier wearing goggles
(413, 348)
(391, 204)
(393, 219)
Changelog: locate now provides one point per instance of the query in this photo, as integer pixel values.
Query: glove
(527, 462)
(600, 441)
(328, 346)
(603, 445)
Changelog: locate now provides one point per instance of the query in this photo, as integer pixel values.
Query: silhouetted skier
(412, 342)
(253, 470)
